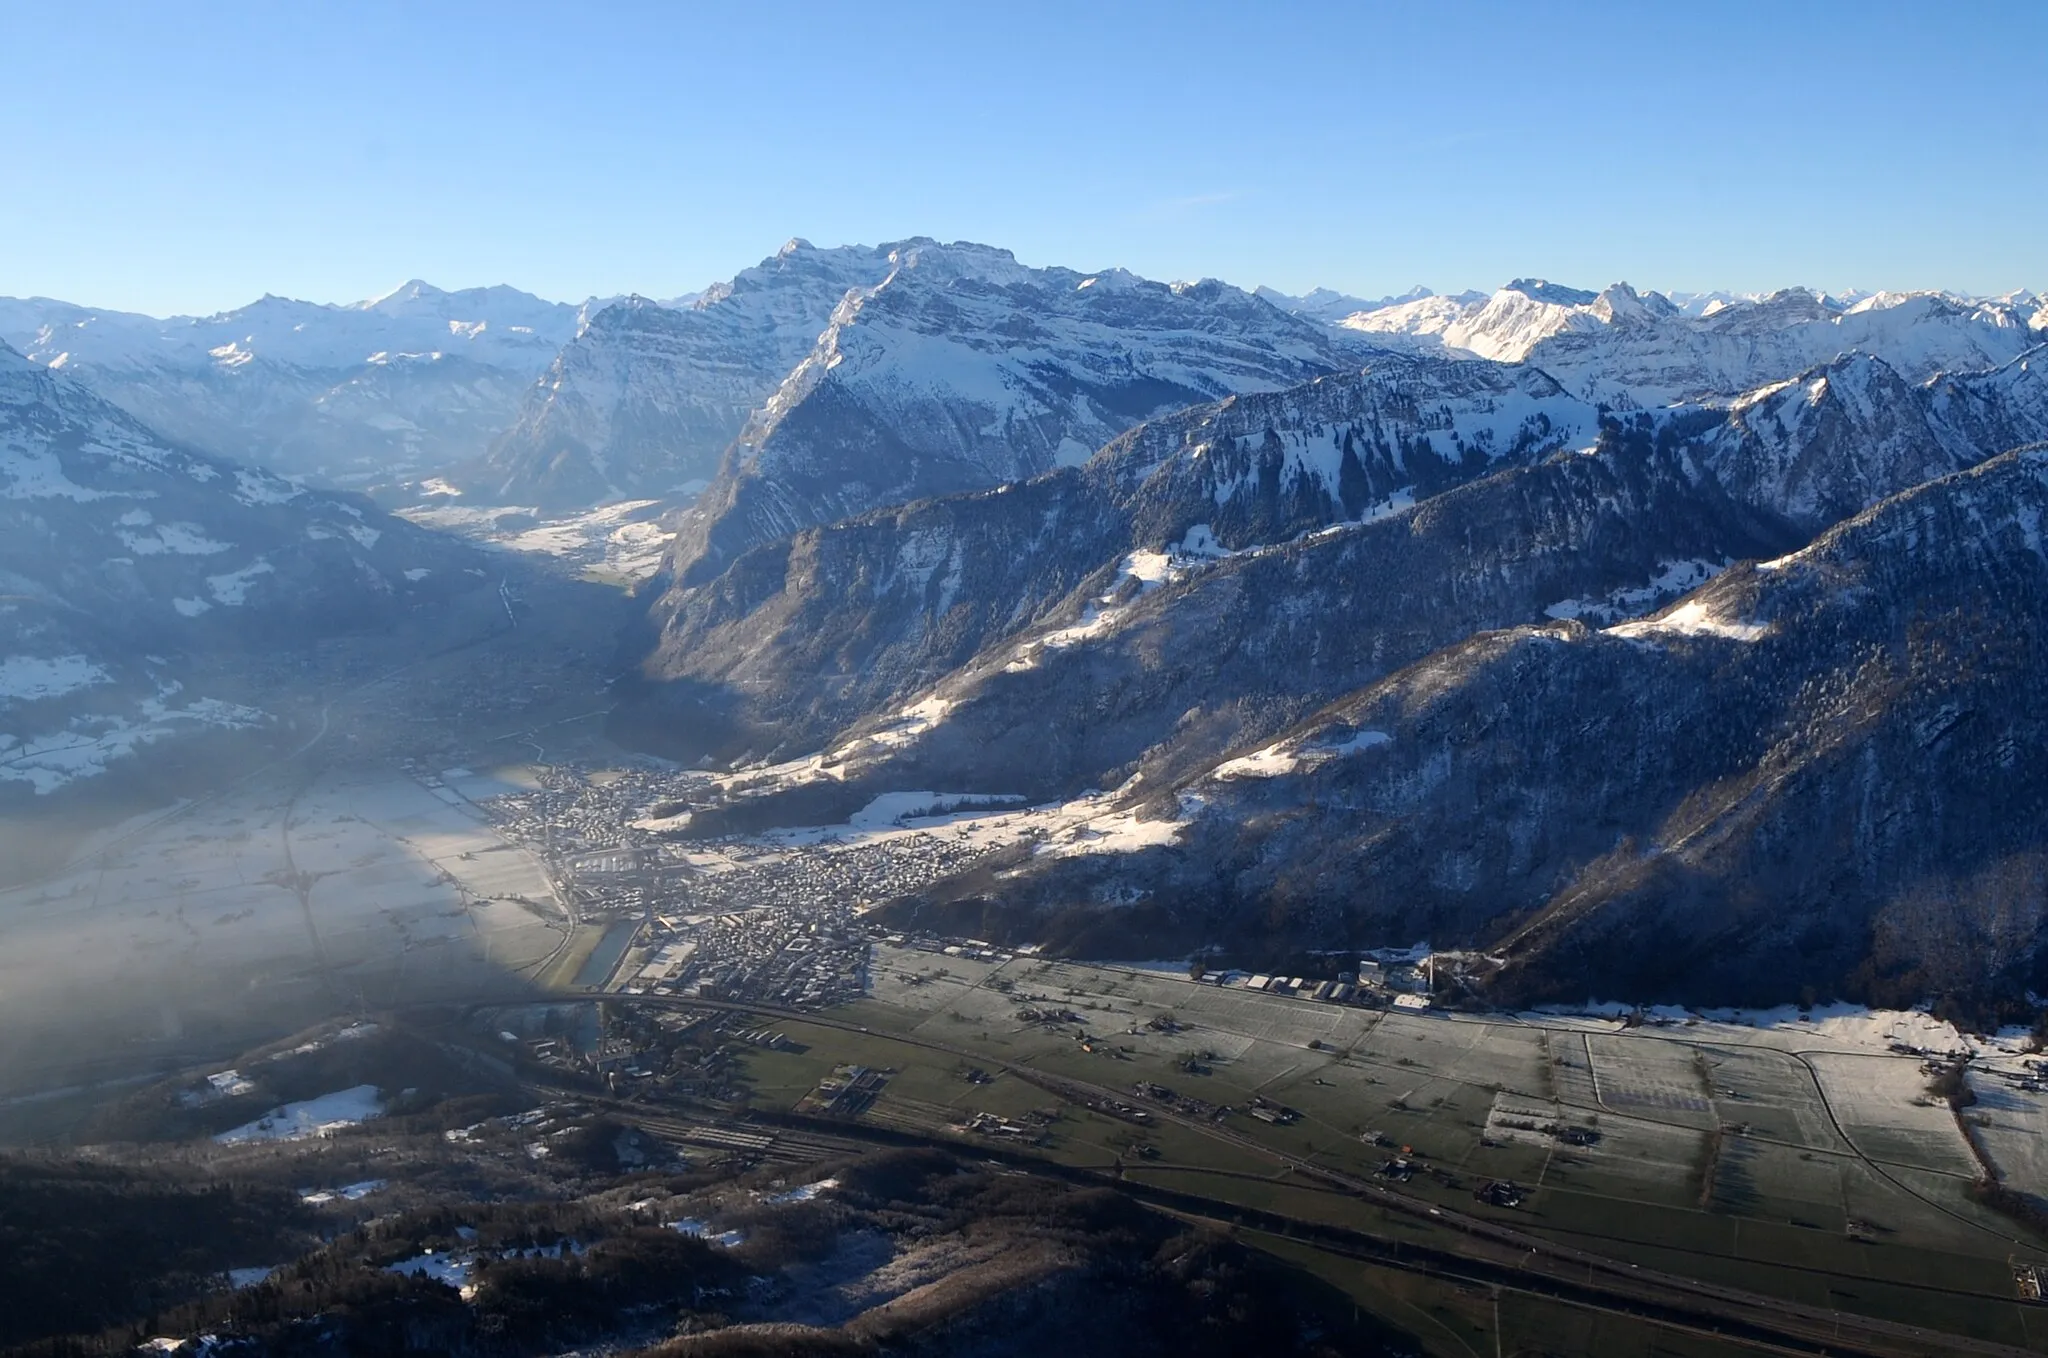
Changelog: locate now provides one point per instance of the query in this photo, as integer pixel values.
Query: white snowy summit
(1631, 348)
(962, 369)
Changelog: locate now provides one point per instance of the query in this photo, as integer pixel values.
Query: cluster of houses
(789, 955)
(1400, 979)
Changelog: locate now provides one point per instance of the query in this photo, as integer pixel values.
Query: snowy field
(625, 540)
(309, 1117)
(194, 931)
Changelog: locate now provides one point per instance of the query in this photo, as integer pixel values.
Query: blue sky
(189, 158)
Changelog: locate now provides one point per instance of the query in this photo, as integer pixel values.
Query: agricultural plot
(1883, 1108)
(1769, 1181)
(1772, 1093)
(1650, 1078)
(1636, 1160)
(2012, 1126)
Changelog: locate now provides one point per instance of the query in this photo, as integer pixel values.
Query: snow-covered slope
(648, 395)
(1085, 666)
(416, 380)
(1846, 434)
(964, 369)
(126, 561)
(812, 632)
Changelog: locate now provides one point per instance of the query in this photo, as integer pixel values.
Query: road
(1809, 1329)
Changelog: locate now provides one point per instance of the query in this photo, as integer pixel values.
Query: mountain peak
(1543, 290)
(411, 290)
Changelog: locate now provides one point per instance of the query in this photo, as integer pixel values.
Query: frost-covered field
(1809, 1119)
(193, 930)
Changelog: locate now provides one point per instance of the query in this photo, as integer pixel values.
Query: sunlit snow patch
(1673, 578)
(894, 808)
(905, 727)
(1691, 619)
(1150, 569)
(1270, 762)
(232, 589)
(1274, 761)
(226, 1084)
(806, 1192)
(315, 1197)
(173, 539)
(309, 1117)
(450, 1268)
(1117, 832)
(702, 1230)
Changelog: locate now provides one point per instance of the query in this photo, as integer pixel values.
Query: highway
(1533, 1262)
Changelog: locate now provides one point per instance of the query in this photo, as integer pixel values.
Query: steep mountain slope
(648, 396)
(1163, 659)
(963, 369)
(418, 379)
(126, 561)
(1626, 348)
(1811, 772)
(1846, 434)
(816, 629)
(1161, 662)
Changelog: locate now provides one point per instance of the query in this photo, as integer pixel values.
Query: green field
(1717, 1154)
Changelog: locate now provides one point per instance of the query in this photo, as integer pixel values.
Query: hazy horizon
(186, 163)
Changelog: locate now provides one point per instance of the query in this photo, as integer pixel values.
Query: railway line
(1502, 1253)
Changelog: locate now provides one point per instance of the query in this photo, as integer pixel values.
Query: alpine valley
(1622, 645)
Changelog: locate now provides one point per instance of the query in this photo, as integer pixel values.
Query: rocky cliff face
(645, 399)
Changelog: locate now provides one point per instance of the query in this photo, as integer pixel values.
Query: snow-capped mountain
(1623, 347)
(416, 380)
(1813, 771)
(963, 369)
(128, 562)
(1846, 434)
(1329, 307)
(648, 396)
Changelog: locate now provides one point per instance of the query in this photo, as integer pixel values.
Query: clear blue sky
(189, 158)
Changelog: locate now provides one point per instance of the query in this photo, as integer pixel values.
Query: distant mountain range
(1659, 646)
(131, 567)
(411, 382)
